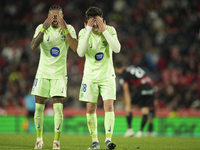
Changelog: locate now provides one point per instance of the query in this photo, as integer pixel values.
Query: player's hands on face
(91, 22)
(48, 22)
(101, 24)
(62, 23)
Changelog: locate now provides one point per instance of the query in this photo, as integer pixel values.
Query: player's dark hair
(118, 64)
(93, 11)
(55, 7)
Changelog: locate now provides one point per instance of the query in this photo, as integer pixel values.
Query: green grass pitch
(82, 142)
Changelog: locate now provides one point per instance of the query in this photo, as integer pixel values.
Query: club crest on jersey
(99, 56)
(104, 43)
(55, 51)
(63, 38)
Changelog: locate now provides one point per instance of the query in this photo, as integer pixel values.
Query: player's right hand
(48, 22)
(90, 22)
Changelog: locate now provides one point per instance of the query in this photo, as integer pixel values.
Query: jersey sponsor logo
(48, 38)
(55, 51)
(63, 38)
(99, 56)
(104, 43)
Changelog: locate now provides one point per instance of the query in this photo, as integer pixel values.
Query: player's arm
(127, 97)
(38, 39)
(72, 41)
(84, 39)
(112, 40)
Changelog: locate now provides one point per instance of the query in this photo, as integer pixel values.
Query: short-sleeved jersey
(53, 52)
(98, 58)
(135, 76)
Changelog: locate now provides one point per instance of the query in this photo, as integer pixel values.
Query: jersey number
(84, 86)
(138, 72)
(35, 82)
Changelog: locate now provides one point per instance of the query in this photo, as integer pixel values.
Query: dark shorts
(30, 114)
(143, 96)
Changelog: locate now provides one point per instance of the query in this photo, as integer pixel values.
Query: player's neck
(96, 32)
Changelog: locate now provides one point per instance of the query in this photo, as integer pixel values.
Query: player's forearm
(36, 41)
(127, 98)
(82, 46)
(113, 43)
(72, 42)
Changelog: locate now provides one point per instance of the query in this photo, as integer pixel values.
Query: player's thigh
(89, 91)
(108, 89)
(58, 87)
(41, 87)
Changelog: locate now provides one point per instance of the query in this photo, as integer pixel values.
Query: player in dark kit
(138, 90)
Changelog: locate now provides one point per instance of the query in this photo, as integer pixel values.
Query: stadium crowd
(162, 36)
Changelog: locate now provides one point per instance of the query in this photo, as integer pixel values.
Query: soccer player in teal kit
(97, 42)
(54, 37)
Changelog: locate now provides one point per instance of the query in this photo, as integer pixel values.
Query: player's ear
(61, 14)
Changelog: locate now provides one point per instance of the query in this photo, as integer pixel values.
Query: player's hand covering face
(55, 14)
(61, 22)
(91, 22)
(48, 22)
(101, 24)
(97, 23)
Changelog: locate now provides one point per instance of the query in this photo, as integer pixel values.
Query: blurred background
(162, 36)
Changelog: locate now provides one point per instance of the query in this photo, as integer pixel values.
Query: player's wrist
(105, 31)
(42, 30)
(66, 31)
(88, 29)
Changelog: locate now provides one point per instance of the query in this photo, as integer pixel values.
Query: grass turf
(82, 142)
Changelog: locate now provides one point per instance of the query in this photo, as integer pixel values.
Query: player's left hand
(62, 23)
(101, 23)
